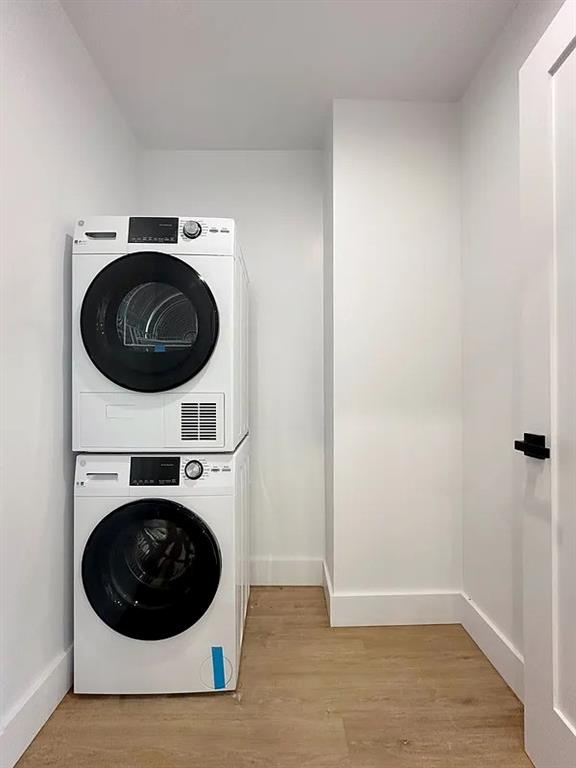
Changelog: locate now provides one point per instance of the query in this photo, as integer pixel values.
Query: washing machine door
(149, 322)
(151, 569)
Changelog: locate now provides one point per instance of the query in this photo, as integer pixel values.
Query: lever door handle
(533, 446)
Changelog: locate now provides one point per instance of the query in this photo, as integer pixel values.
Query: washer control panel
(178, 470)
(156, 475)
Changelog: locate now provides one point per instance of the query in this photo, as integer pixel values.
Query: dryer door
(151, 569)
(149, 322)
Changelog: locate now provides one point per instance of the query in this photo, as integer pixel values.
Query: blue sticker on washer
(218, 666)
(159, 347)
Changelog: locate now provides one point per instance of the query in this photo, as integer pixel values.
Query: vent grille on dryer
(198, 421)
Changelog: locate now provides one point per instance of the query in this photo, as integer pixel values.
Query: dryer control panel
(175, 235)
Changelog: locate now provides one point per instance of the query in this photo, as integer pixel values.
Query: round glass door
(149, 322)
(151, 569)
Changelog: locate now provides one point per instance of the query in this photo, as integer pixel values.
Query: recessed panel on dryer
(153, 229)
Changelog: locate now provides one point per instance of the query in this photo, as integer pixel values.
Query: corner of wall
(497, 648)
(328, 346)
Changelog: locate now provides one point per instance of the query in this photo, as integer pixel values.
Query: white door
(548, 256)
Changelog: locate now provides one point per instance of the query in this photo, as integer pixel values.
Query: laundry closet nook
(287, 368)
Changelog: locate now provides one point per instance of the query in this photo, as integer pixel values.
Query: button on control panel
(191, 229)
(194, 469)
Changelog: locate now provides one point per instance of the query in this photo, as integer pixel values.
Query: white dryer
(161, 579)
(159, 338)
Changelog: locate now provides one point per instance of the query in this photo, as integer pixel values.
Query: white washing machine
(160, 335)
(161, 571)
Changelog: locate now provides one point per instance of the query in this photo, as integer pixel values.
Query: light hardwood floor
(309, 696)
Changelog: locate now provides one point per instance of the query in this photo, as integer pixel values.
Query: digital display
(154, 470)
(147, 229)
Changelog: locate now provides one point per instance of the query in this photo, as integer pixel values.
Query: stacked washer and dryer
(160, 424)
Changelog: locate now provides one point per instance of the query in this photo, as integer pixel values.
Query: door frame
(549, 739)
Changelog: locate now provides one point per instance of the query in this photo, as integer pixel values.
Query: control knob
(192, 229)
(193, 470)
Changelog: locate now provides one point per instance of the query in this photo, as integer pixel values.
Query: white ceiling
(260, 74)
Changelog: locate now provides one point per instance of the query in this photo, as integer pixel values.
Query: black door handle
(533, 446)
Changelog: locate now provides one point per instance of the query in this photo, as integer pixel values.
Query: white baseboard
(29, 715)
(389, 609)
(293, 572)
(365, 609)
(506, 659)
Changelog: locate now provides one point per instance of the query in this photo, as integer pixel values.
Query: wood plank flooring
(309, 696)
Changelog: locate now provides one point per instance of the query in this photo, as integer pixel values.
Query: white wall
(492, 530)
(276, 198)
(396, 305)
(65, 152)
